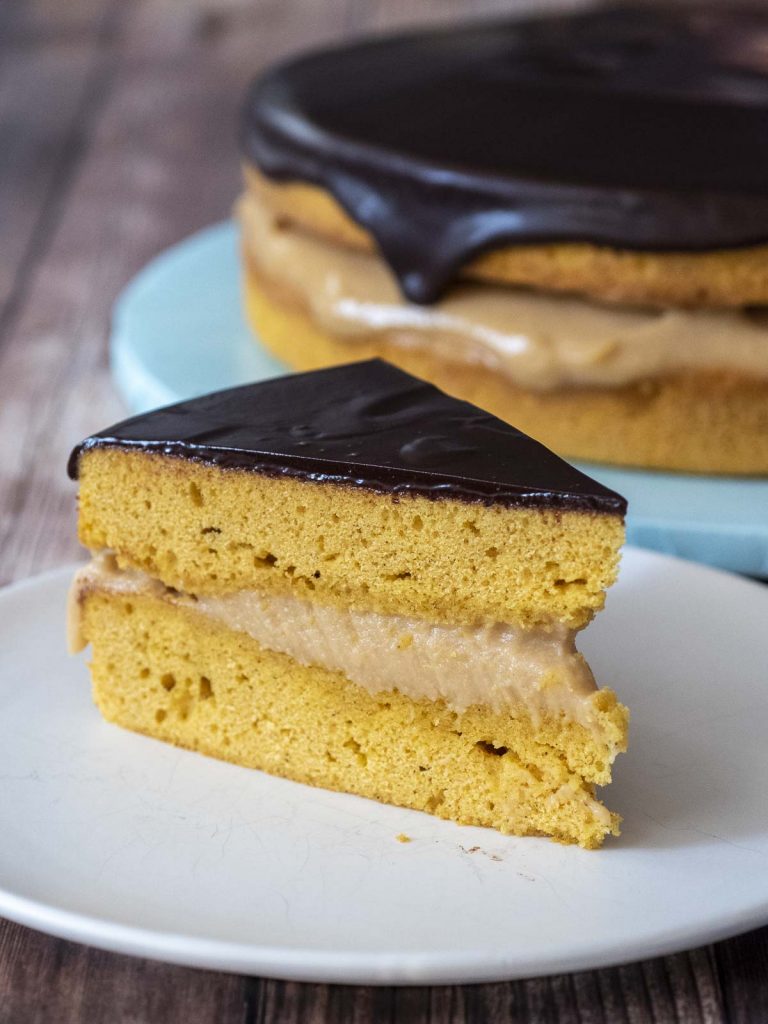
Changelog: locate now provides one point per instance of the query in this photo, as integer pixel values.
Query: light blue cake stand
(178, 331)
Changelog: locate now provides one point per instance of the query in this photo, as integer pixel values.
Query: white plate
(125, 843)
(178, 331)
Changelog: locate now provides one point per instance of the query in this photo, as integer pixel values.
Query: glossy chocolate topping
(640, 128)
(368, 425)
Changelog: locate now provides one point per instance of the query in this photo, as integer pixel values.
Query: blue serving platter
(178, 331)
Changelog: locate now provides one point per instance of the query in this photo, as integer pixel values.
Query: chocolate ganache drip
(368, 425)
(640, 128)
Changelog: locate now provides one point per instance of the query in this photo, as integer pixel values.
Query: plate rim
(351, 967)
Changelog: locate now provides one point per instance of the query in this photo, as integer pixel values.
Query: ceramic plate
(124, 843)
(179, 332)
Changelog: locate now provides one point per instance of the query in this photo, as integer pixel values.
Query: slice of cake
(350, 579)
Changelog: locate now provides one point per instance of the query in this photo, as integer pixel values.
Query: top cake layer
(357, 488)
(366, 424)
(638, 128)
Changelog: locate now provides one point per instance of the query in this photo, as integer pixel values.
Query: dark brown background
(116, 139)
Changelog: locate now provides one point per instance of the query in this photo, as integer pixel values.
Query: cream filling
(495, 665)
(541, 341)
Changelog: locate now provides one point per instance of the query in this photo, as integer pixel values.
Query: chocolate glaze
(640, 128)
(364, 424)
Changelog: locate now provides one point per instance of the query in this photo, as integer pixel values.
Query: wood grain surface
(117, 138)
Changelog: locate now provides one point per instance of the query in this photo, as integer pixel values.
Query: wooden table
(117, 137)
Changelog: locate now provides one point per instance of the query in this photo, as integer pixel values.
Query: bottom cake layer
(171, 673)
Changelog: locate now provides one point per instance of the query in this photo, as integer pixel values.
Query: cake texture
(356, 581)
(626, 191)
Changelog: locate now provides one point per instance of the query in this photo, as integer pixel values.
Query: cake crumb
(401, 837)
(479, 849)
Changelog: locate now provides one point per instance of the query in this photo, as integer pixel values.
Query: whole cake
(564, 220)
(349, 578)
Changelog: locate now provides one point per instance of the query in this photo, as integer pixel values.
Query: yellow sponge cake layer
(171, 673)
(201, 529)
(720, 278)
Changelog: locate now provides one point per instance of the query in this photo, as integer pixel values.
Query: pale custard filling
(539, 340)
(496, 665)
